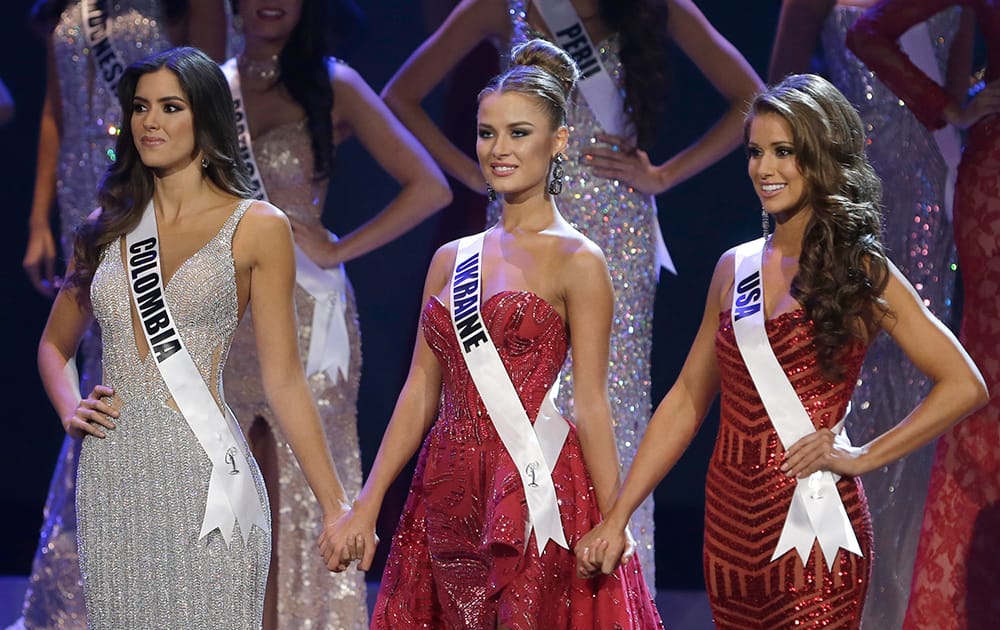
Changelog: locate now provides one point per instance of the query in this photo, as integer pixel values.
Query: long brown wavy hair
(843, 269)
(127, 185)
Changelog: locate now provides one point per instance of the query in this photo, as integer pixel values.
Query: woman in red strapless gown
(465, 553)
(805, 146)
(955, 577)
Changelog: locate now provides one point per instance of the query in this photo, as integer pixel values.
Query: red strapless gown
(459, 558)
(747, 496)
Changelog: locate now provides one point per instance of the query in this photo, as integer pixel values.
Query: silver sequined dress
(88, 111)
(622, 221)
(918, 237)
(141, 491)
(309, 596)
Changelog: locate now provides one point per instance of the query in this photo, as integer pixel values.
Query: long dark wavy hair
(843, 269)
(127, 185)
(641, 26)
(45, 13)
(325, 28)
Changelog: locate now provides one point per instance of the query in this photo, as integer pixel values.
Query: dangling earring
(556, 184)
(765, 222)
(490, 193)
(204, 162)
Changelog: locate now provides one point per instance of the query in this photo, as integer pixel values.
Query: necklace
(259, 69)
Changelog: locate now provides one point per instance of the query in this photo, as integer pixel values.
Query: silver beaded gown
(141, 491)
(918, 238)
(623, 222)
(309, 596)
(89, 114)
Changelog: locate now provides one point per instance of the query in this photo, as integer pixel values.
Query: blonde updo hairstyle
(540, 69)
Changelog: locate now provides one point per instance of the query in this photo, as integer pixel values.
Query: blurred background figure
(6, 105)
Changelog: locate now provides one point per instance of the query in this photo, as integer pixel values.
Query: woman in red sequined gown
(827, 289)
(955, 579)
(463, 555)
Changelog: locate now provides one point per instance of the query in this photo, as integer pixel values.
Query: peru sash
(817, 511)
(232, 494)
(110, 66)
(534, 448)
(329, 344)
(918, 45)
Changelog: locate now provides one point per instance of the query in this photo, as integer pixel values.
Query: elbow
(979, 394)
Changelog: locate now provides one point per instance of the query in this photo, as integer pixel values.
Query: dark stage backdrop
(700, 218)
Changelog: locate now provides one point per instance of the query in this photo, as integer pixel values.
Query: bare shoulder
(343, 76)
(265, 223)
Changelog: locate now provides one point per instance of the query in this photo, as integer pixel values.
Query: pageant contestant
(788, 318)
(504, 486)
(173, 519)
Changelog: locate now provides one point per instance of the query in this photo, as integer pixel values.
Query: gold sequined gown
(309, 596)
(142, 490)
(54, 598)
(623, 222)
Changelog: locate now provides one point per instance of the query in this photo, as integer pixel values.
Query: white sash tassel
(817, 511)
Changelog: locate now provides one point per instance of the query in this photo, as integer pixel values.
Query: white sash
(110, 66)
(329, 343)
(917, 44)
(817, 511)
(534, 448)
(232, 494)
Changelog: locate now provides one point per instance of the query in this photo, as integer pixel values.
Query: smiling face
(270, 20)
(773, 166)
(516, 143)
(162, 124)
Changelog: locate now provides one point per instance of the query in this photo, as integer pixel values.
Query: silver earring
(490, 193)
(556, 184)
(765, 222)
(204, 162)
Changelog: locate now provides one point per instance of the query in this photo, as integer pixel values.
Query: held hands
(603, 549)
(91, 415)
(40, 261)
(348, 536)
(818, 451)
(318, 244)
(620, 160)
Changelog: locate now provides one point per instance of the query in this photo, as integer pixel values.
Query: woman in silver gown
(299, 105)
(609, 182)
(172, 512)
(918, 238)
(77, 133)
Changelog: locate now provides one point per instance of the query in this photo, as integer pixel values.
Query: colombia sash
(816, 511)
(232, 494)
(329, 344)
(110, 66)
(534, 448)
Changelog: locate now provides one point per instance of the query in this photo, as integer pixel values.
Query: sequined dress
(918, 237)
(623, 222)
(747, 496)
(308, 596)
(955, 580)
(88, 110)
(459, 558)
(141, 491)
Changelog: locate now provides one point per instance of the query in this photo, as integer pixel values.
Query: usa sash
(817, 511)
(232, 494)
(534, 448)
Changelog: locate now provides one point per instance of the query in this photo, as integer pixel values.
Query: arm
(958, 391)
(674, 424)
(727, 71)
(423, 187)
(415, 411)
(6, 105)
(799, 25)
(471, 22)
(266, 244)
(589, 310)
(206, 27)
(40, 255)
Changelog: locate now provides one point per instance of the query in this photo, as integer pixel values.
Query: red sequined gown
(459, 558)
(956, 582)
(747, 496)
